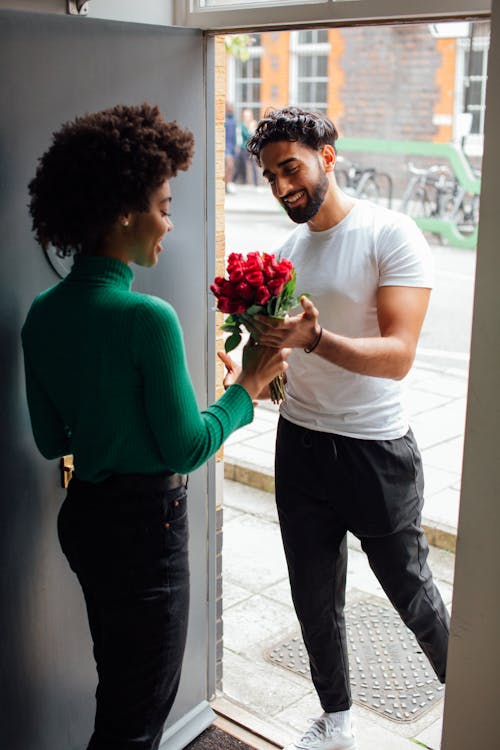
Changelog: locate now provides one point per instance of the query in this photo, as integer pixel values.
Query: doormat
(389, 673)
(214, 738)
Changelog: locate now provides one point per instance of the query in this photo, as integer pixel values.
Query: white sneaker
(323, 734)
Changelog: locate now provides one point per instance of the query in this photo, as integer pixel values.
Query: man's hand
(297, 331)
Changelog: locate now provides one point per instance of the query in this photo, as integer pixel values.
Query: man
(346, 459)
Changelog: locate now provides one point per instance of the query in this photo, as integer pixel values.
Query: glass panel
(248, 92)
(248, 69)
(477, 62)
(322, 66)
(305, 37)
(316, 36)
(475, 94)
(305, 66)
(311, 91)
(476, 122)
(321, 92)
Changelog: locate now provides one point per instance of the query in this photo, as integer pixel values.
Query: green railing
(437, 151)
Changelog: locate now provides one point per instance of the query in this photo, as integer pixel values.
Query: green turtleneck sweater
(107, 379)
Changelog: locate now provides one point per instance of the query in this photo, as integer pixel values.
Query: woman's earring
(124, 222)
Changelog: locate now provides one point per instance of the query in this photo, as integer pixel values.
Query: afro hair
(100, 166)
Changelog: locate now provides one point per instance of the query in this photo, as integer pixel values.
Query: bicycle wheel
(422, 202)
(385, 187)
(344, 181)
(370, 190)
(467, 214)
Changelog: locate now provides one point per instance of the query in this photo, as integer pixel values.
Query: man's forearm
(380, 356)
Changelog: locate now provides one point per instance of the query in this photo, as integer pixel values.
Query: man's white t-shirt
(341, 268)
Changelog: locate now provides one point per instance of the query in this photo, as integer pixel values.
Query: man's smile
(295, 198)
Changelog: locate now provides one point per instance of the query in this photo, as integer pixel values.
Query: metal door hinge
(77, 7)
(67, 468)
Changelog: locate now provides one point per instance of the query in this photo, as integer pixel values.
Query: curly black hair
(100, 166)
(292, 124)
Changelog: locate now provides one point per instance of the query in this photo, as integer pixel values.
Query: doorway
(326, 69)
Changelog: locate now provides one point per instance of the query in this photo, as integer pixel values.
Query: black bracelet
(309, 349)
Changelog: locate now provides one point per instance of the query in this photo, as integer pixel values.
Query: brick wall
(389, 88)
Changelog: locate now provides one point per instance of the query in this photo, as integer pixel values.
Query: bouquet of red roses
(255, 284)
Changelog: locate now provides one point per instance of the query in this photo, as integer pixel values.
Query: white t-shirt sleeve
(404, 255)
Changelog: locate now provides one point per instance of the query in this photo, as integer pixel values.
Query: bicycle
(435, 193)
(364, 182)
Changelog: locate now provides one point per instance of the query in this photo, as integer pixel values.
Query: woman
(107, 381)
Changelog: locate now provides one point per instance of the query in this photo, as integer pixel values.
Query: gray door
(51, 69)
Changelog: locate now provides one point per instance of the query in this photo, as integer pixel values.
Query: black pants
(126, 540)
(327, 485)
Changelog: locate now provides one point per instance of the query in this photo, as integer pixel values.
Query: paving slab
(443, 506)
(260, 688)
(256, 620)
(253, 555)
(431, 737)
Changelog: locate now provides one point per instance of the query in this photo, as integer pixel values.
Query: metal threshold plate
(389, 673)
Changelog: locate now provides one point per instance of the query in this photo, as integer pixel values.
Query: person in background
(230, 147)
(346, 458)
(243, 161)
(112, 388)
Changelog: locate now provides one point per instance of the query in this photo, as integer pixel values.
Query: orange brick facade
(389, 82)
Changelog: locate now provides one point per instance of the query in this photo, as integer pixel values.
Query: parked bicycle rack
(462, 170)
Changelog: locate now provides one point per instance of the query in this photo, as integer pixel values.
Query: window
(309, 69)
(472, 66)
(222, 15)
(244, 81)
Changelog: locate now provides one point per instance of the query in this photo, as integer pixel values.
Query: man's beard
(301, 214)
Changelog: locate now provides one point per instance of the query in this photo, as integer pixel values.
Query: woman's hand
(233, 370)
(260, 365)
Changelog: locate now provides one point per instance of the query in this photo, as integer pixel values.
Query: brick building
(411, 82)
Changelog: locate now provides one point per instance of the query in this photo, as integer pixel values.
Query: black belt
(132, 482)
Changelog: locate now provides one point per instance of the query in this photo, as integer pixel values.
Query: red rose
(226, 305)
(285, 269)
(228, 289)
(236, 272)
(262, 295)
(270, 265)
(255, 278)
(217, 285)
(234, 258)
(235, 267)
(245, 291)
(254, 262)
(276, 286)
